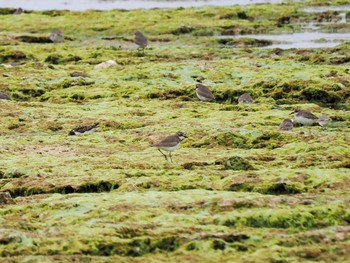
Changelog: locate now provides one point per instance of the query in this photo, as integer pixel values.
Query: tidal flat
(239, 190)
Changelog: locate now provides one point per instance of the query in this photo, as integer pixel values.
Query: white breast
(304, 121)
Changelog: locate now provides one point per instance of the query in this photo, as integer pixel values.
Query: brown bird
(286, 125)
(245, 98)
(140, 39)
(170, 143)
(203, 93)
(4, 96)
(56, 36)
(83, 129)
(304, 117)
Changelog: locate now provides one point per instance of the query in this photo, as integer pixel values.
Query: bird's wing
(309, 115)
(205, 92)
(169, 141)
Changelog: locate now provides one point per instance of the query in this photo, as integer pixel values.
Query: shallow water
(80, 5)
(301, 40)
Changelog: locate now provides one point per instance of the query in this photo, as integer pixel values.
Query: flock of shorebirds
(170, 143)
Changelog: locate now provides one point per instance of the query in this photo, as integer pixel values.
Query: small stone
(106, 64)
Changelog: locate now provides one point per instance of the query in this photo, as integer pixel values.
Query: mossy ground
(108, 196)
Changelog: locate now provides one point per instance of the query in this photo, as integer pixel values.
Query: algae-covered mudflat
(239, 189)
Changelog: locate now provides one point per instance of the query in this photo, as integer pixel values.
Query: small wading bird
(56, 36)
(83, 129)
(245, 98)
(140, 40)
(170, 143)
(286, 125)
(4, 96)
(203, 93)
(304, 117)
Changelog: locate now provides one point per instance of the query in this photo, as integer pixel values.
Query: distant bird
(4, 96)
(18, 11)
(323, 120)
(286, 125)
(203, 93)
(56, 36)
(170, 143)
(83, 129)
(140, 40)
(245, 98)
(304, 117)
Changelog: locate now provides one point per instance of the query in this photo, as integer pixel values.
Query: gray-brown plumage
(83, 129)
(18, 11)
(170, 143)
(140, 39)
(304, 117)
(4, 96)
(286, 125)
(56, 36)
(245, 98)
(203, 93)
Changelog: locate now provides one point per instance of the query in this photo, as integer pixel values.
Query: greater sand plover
(245, 98)
(286, 125)
(83, 129)
(4, 96)
(170, 143)
(56, 36)
(304, 117)
(203, 93)
(140, 39)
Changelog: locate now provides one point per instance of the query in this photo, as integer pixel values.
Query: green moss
(237, 163)
(109, 196)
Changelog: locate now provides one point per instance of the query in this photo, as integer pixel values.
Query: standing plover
(203, 93)
(140, 39)
(304, 117)
(83, 129)
(245, 98)
(286, 125)
(170, 143)
(56, 36)
(4, 96)
(18, 11)
(323, 120)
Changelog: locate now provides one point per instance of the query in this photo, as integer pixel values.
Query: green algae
(108, 196)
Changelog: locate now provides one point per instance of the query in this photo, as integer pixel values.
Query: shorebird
(304, 117)
(170, 143)
(140, 40)
(323, 120)
(4, 96)
(245, 98)
(286, 125)
(83, 129)
(18, 11)
(203, 93)
(56, 36)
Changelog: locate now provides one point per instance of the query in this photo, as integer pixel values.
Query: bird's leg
(166, 158)
(170, 157)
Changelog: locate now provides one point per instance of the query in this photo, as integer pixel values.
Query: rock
(106, 64)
